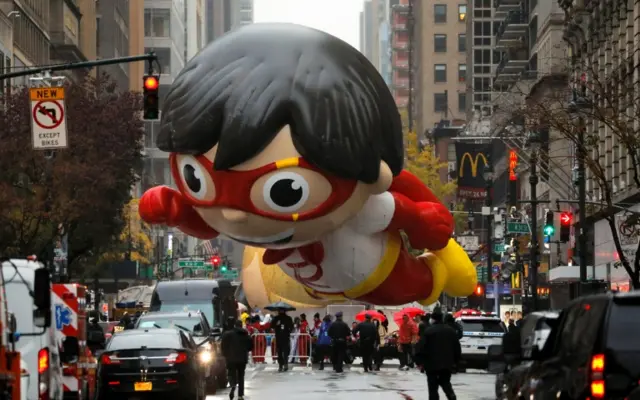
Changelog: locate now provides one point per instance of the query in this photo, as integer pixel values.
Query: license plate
(142, 386)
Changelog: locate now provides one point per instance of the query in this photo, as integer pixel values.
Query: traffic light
(223, 268)
(215, 262)
(479, 290)
(548, 229)
(566, 219)
(151, 83)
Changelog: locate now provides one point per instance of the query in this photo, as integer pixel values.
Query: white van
(39, 351)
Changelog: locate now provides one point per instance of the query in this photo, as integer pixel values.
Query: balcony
(399, 27)
(504, 7)
(511, 67)
(400, 64)
(514, 27)
(400, 83)
(400, 45)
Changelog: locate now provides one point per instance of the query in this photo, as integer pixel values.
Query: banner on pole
(471, 159)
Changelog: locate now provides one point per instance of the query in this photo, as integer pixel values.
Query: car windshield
(149, 340)
(190, 324)
(622, 321)
(482, 325)
(205, 307)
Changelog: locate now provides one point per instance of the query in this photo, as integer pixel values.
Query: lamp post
(534, 142)
(487, 174)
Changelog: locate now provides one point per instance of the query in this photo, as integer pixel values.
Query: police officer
(283, 326)
(368, 339)
(339, 332)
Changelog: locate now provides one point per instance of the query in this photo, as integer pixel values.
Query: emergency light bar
(479, 313)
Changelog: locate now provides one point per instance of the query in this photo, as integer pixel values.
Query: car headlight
(206, 357)
(206, 346)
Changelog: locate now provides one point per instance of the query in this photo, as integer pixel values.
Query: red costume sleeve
(163, 205)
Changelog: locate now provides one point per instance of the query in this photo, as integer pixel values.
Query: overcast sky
(340, 18)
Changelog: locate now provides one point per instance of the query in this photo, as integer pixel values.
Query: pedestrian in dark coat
(438, 351)
(282, 325)
(339, 332)
(236, 345)
(424, 324)
(451, 321)
(368, 338)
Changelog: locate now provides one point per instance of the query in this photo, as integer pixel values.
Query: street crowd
(429, 342)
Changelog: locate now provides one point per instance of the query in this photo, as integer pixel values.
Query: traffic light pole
(151, 57)
(533, 258)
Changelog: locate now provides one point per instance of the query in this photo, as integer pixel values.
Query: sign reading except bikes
(471, 161)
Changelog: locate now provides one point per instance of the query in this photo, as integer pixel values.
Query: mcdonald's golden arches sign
(471, 161)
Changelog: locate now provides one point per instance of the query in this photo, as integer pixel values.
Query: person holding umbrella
(282, 325)
(368, 338)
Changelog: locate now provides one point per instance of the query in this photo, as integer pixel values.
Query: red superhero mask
(233, 188)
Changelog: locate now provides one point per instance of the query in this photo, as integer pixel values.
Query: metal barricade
(265, 349)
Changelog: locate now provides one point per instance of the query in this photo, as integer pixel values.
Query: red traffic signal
(215, 261)
(151, 82)
(566, 218)
(479, 290)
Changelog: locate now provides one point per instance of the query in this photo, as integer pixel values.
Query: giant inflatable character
(287, 138)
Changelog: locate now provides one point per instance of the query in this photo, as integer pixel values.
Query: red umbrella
(374, 315)
(411, 312)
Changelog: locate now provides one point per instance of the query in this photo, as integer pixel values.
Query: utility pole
(580, 179)
(410, 23)
(488, 179)
(534, 144)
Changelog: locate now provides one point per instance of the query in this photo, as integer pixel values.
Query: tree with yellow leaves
(133, 242)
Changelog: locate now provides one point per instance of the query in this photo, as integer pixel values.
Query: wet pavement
(304, 383)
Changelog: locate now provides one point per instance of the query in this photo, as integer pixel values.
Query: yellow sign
(473, 162)
(42, 94)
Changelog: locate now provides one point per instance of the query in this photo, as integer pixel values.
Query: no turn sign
(48, 118)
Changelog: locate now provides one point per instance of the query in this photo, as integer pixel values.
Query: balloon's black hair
(239, 91)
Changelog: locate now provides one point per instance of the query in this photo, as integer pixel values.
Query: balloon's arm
(428, 225)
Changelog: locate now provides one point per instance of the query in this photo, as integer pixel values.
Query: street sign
(229, 274)
(517, 227)
(482, 274)
(468, 242)
(48, 118)
(191, 263)
(498, 248)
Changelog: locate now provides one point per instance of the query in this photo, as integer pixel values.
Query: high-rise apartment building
(440, 63)
(31, 46)
(242, 12)
(113, 38)
(136, 43)
(374, 14)
(224, 15)
(384, 34)
(6, 39)
(195, 37)
(400, 52)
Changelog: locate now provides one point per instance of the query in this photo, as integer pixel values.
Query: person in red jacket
(407, 337)
(304, 340)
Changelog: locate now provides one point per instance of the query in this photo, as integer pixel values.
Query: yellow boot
(462, 278)
(439, 275)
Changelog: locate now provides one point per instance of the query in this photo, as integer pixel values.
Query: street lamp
(487, 174)
(534, 141)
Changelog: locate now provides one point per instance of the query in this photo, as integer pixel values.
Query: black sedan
(151, 362)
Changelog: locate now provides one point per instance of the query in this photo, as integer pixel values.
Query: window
(165, 340)
(157, 22)
(440, 102)
(440, 43)
(462, 72)
(462, 42)
(462, 12)
(462, 102)
(622, 317)
(440, 13)
(440, 73)
(480, 325)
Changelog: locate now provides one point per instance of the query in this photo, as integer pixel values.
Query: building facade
(113, 38)
(400, 52)
(195, 37)
(440, 65)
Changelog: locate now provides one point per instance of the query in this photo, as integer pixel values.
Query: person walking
(438, 352)
(236, 345)
(367, 339)
(95, 335)
(407, 336)
(282, 325)
(451, 321)
(382, 333)
(323, 345)
(339, 332)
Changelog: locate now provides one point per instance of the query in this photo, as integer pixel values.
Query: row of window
(441, 102)
(440, 13)
(440, 73)
(440, 42)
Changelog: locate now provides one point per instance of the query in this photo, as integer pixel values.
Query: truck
(26, 323)
(79, 365)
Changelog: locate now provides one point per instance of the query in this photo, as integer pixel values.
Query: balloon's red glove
(428, 225)
(163, 205)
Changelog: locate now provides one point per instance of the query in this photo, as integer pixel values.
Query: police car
(479, 331)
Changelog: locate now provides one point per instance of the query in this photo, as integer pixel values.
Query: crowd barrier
(265, 350)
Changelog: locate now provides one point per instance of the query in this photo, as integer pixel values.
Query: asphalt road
(302, 383)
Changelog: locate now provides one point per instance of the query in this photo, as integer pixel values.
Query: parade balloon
(286, 138)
